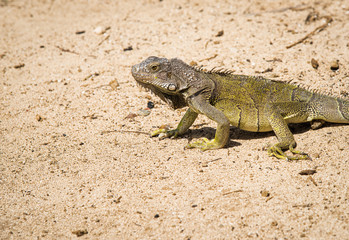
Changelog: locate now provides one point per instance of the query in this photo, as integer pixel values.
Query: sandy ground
(75, 161)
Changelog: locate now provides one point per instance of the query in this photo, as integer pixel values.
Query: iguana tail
(329, 109)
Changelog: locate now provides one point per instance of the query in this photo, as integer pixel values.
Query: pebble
(220, 33)
(334, 65)
(314, 63)
(143, 112)
(39, 118)
(274, 223)
(131, 116)
(265, 193)
(99, 30)
(150, 105)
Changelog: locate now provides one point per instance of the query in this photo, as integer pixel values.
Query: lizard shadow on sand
(238, 134)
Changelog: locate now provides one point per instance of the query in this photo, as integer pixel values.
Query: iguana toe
(164, 133)
(204, 144)
(277, 152)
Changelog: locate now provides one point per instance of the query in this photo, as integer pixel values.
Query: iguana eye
(154, 67)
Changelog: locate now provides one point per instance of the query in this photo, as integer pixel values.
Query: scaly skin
(250, 103)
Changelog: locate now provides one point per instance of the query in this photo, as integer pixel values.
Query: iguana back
(243, 99)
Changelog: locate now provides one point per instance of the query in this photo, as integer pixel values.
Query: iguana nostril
(135, 68)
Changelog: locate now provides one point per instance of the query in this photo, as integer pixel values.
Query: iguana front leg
(285, 137)
(186, 121)
(201, 105)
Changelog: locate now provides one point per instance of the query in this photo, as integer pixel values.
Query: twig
(295, 8)
(312, 180)
(19, 65)
(209, 58)
(67, 50)
(213, 160)
(292, 8)
(302, 205)
(104, 39)
(236, 191)
(124, 131)
(92, 116)
(91, 75)
(269, 198)
(316, 30)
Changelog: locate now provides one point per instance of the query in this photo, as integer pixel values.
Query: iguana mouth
(174, 101)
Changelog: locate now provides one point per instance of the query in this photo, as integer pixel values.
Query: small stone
(220, 33)
(265, 193)
(39, 118)
(315, 124)
(131, 116)
(144, 112)
(274, 223)
(156, 216)
(334, 65)
(150, 105)
(314, 63)
(99, 30)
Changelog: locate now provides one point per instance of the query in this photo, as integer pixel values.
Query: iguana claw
(164, 133)
(277, 152)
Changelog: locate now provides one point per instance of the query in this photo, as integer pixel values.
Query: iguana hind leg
(285, 137)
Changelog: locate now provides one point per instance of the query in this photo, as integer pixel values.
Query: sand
(76, 159)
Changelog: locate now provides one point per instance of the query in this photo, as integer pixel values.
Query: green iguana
(250, 103)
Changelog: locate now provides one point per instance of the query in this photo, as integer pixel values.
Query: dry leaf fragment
(114, 84)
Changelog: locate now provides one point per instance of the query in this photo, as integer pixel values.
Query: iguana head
(156, 75)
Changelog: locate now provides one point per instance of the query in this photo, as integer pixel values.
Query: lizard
(251, 103)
